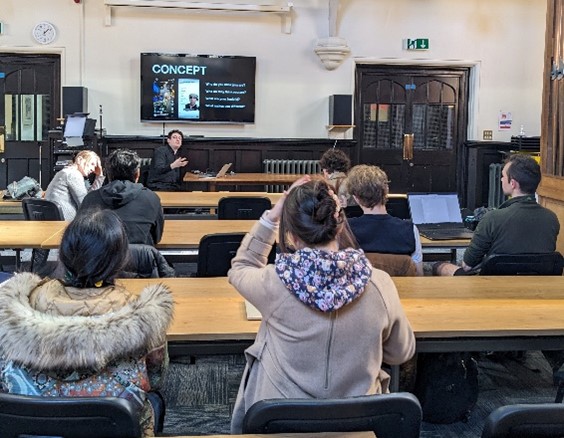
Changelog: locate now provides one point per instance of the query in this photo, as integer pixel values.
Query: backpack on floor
(446, 386)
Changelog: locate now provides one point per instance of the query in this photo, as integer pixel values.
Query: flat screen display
(197, 88)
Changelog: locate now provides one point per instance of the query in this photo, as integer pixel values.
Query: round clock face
(44, 32)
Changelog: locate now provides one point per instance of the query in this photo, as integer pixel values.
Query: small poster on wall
(505, 121)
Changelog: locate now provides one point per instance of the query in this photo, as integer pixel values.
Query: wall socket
(487, 134)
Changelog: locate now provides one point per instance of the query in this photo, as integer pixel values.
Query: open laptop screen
(74, 126)
(434, 208)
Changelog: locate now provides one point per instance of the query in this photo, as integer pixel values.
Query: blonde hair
(86, 157)
(369, 184)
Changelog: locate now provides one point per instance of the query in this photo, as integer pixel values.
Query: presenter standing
(166, 167)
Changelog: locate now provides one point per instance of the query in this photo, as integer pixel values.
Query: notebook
(219, 174)
(437, 216)
(252, 312)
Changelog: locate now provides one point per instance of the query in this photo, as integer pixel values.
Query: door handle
(408, 146)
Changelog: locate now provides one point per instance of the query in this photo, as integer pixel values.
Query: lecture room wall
(504, 39)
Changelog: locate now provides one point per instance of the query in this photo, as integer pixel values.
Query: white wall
(504, 38)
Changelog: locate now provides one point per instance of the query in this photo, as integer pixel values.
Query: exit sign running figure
(416, 44)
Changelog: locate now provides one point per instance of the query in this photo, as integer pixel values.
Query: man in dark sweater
(376, 230)
(167, 165)
(520, 225)
(138, 207)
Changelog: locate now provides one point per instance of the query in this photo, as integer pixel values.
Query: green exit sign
(416, 44)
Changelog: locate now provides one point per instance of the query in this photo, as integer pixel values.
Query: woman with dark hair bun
(85, 335)
(329, 319)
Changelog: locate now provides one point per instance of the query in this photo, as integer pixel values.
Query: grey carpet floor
(200, 396)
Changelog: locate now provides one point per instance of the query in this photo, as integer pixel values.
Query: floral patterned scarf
(324, 280)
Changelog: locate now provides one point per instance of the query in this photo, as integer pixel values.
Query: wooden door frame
(473, 85)
(42, 51)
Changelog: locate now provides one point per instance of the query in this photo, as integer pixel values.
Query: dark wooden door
(30, 101)
(412, 122)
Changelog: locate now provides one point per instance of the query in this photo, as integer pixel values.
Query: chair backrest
(145, 261)
(68, 417)
(395, 206)
(523, 264)
(526, 420)
(38, 209)
(387, 415)
(215, 253)
(242, 207)
(397, 265)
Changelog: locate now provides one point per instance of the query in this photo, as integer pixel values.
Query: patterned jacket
(63, 341)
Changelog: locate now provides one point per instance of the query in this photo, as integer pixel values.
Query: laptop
(74, 130)
(437, 216)
(222, 172)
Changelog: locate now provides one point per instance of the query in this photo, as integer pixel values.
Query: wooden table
(179, 234)
(19, 235)
(240, 179)
(447, 314)
(10, 207)
(206, 199)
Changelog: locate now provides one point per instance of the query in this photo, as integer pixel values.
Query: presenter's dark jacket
(519, 226)
(161, 176)
(138, 207)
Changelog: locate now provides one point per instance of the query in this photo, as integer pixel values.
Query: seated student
(335, 164)
(376, 230)
(85, 335)
(138, 207)
(320, 292)
(519, 226)
(69, 186)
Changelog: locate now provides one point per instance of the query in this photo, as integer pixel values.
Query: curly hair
(335, 160)
(369, 184)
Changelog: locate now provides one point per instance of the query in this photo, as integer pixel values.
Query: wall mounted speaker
(75, 100)
(340, 109)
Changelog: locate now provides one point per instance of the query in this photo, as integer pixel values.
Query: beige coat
(300, 352)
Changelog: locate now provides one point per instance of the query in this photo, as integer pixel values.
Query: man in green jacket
(520, 225)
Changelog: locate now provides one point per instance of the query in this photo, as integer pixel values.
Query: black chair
(525, 421)
(395, 206)
(522, 264)
(216, 251)
(387, 415)
(242, 207)
(145, 261)
(39, 209)
(67, 417)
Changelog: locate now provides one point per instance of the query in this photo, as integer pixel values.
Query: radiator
(301, 167)
(495, 192)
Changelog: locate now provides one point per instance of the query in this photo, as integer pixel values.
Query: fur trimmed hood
(45, 342)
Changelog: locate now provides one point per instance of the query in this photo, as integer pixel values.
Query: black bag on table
(446, 386)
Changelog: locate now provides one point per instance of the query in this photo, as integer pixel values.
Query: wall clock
(44, 32)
